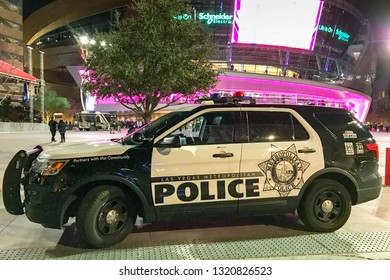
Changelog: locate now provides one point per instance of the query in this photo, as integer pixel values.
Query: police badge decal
(283, 170)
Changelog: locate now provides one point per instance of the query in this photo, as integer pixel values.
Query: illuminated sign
(208, 18)
(221, 18)
(325, 28)
(336, 32)
(184, 17)
(296, 24)
(342, 35)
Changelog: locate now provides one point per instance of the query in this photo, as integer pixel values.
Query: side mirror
(138, 137)
(171, 141)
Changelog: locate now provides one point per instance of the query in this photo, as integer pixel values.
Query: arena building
(322, 45)
(11, 33)
(12, 77)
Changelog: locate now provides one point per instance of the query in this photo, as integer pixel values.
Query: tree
(5, 109)
(53, 104)
(149, 56)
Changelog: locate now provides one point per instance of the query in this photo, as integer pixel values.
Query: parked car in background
(90, 121)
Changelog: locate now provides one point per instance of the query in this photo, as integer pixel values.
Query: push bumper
(13, 179)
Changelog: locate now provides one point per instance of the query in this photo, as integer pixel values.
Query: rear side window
(343, 125)
(274, 126)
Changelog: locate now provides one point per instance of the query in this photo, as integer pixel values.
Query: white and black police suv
(205, 159)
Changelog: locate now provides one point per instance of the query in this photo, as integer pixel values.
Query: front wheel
(105, 216)
(326, 206)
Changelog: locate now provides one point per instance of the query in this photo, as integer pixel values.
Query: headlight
(48, 167)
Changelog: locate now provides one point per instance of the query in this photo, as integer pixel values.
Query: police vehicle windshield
(156, 127)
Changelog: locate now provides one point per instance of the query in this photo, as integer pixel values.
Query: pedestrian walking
(113, 127)
(53, 128)
(62, 130)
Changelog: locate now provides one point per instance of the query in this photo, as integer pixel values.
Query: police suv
(205, 159)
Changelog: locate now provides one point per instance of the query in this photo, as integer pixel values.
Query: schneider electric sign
(221, 18)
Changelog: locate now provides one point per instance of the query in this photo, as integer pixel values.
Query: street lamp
(83, 40)
(41, 84)
(30, 71)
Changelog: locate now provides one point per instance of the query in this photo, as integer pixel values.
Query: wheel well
(83, 190)
(342, 179)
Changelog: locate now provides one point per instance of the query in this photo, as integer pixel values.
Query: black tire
(326, 206)
(105, 217)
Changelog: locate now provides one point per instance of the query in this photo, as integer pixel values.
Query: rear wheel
(105, 217)
(326, 206)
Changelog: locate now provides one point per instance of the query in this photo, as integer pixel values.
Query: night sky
(370, 7)
(29, 6)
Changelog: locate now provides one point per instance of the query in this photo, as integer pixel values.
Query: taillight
(373, 148)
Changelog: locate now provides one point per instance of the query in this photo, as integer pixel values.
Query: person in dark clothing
(53, 128)
(62, 130)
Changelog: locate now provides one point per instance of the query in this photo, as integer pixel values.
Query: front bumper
(45, 200)
(51, 212)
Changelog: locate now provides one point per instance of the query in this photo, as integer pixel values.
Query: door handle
(223, 155)
(307, 150)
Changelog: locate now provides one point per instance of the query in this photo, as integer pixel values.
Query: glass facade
(101, 22)
(338, 26)
(11, 32)
(328, 61)
(336, 31)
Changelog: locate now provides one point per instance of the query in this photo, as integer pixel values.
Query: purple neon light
(236, 29)
(268, 91)
(246, 83)
(316, 26)
(358, 102)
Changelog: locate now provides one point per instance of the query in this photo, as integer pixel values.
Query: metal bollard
(387, 167)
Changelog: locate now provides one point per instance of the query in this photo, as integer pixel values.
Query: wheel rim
(113, 217)
(329, 206)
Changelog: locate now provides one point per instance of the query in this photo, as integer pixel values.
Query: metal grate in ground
(314, 245)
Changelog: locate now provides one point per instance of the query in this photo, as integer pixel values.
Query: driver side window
(210, 128)
(190, 133)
